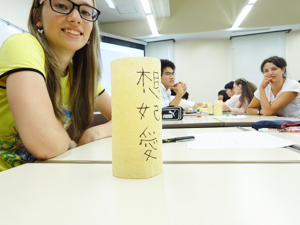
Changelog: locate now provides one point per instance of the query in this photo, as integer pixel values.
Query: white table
(250, 119)
(192, 121)
(295, 137)
(213, 194)
(101, 151)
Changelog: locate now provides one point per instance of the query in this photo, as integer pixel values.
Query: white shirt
(166, 98)
(232, 101)
(292, 109)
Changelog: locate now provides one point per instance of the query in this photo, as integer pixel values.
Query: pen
(177, 139)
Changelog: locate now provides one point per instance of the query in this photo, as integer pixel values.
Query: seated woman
(223, 96)
(48, 81)
(276, 94)
(246, 89)
(233, 97)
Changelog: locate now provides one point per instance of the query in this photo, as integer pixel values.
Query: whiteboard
(110, 52)
(160, 50)
(248, 52)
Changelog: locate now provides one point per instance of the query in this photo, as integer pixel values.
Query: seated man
(168, 84)
(230, 103)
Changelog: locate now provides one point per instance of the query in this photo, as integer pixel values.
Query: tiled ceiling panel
(128, 10)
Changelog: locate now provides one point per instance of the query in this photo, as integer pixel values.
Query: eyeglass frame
(78, 7)
(168, 73)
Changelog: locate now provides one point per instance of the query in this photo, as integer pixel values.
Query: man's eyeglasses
(168, 73)
(86, 12)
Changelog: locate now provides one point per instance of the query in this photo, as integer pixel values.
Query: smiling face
(168, 77)
(270, 70)
(65, 33)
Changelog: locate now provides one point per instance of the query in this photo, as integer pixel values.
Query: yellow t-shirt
(22, 52)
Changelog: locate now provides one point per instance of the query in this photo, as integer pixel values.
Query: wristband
(258, 110)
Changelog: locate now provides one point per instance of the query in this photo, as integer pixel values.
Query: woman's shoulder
(21, 51)
(292, 83)
(21, 38)
(21, 42)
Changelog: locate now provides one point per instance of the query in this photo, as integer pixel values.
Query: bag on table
(172, 113)
(277, 124)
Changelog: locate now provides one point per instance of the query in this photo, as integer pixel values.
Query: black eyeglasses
(168, 73)
(86, 12)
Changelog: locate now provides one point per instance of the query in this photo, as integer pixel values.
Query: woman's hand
(72, 144)
(266, 81)
(96, 133)
(198, 104)
(88, 136)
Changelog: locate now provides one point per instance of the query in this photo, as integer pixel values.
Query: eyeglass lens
(65, 7)
(168, 73)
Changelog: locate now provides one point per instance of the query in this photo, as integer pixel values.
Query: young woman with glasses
(50, 79)
(277, 94)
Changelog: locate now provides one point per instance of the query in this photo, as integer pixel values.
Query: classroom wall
(205, 66)
(16, 12)
(293, 55)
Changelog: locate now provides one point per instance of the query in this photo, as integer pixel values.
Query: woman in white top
(246, 89)
(276, 94)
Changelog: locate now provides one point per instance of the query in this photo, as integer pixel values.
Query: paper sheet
(241, 140)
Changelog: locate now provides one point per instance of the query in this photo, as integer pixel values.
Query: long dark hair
(248, 89)
(225, 96)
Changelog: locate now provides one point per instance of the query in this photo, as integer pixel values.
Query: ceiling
(180, 19)
(127, 10)
(194, 19)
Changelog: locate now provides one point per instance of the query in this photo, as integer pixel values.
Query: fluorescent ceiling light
(152, 24)
(252, 1)
(242, 16)
(111, 4)
(146, 6)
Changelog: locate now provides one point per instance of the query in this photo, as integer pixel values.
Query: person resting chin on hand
(168, 84)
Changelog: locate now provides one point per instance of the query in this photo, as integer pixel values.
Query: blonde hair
(86, 74)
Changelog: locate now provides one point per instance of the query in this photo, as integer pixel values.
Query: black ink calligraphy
(149, 143)
(142, 77)
(143, 110)
(155, 80)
